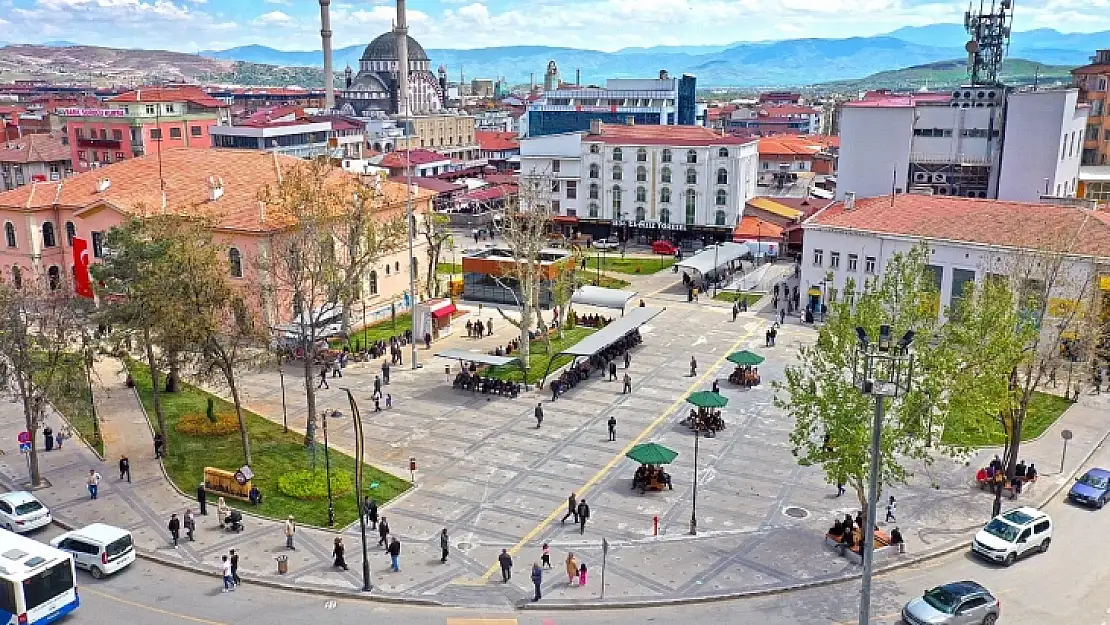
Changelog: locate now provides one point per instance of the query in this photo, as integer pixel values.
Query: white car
(99, 548)
(21, 512)
(606, 244)
(1014, 534)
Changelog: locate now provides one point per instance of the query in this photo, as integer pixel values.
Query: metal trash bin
(283, 564)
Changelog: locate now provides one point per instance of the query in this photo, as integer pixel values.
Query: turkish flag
(82, 283)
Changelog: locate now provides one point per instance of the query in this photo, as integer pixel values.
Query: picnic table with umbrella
(746, 373)
(650, 475)
(707, 418)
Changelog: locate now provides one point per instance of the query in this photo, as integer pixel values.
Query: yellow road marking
(617, 458)
(135, 604)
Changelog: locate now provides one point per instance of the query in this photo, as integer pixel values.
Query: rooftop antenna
(990, 31)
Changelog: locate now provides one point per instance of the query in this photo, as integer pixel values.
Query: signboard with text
(79, 112)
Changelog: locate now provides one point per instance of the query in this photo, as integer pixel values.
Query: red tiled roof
(187, 93)
(883, 99)
(755, 228)
(494, 141)
(1093, 68)
(432, 184)
(986, 222)
(415, 157)
(263, 117)
(682, 136)
(34, 149)
(488, 192)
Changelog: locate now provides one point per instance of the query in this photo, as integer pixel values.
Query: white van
(1013, 535)
(101, 549)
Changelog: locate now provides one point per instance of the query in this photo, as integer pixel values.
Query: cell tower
(990, 39)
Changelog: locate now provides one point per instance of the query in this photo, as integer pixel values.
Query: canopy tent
(608, 335)
(483, 359)
(745, 358)
(714, 256)
(707, 399)
(602, 297)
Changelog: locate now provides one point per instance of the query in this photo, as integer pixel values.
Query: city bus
(38, 584)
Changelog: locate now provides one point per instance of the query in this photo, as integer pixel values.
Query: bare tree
(434, 229)
(563, 287)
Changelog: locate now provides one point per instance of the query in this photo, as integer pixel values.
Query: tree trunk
(309, 390)
(32, 426)
(243, 436)
(173, 380)
(159, 413)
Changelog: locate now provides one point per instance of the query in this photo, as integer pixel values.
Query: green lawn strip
(537, 361)
(734, 296)
(449, 268)
(607, 282)
(273, 452)
(73, 398)
(1044, 410)
(630, 265)
(380, 331)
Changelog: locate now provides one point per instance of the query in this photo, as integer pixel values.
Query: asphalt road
(1066, 586)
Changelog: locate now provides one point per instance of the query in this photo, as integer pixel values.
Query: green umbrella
(652, 453)
(707, 399)
(745, 358)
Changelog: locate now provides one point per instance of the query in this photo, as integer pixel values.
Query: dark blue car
(1093, 489)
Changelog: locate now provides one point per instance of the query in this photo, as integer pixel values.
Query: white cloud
(273, 18)
(282, 2)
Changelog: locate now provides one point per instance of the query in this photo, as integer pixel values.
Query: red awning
(565, 219)
(440, 313)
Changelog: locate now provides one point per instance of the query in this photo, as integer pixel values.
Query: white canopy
(714, 256)
(601, 297)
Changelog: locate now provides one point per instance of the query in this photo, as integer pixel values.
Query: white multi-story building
(979, 142)
(646, 182)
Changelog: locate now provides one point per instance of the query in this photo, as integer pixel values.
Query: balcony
(102, 144)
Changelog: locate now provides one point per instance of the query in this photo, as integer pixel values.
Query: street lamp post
(694, 506)
(716, 269)
(360, 450)
(327, 469)
(881, 370)
(284, 411)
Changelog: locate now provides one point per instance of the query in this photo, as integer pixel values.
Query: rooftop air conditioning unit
(939, 179)
(921, 176)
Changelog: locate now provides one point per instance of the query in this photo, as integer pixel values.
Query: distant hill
(105, 65)
(949, 74)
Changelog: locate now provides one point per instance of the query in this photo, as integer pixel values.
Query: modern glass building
(662, 101)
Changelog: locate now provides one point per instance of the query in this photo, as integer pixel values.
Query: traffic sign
(24, 437)
(25, 448)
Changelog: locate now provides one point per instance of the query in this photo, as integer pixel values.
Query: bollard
(655, 523)
(283, 564)
(447, 369)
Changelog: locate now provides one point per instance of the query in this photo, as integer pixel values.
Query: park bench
(1007, 486)
(883, 546)
(653, 483)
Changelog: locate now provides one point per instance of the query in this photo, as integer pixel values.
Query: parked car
(1093, 489)
(21, 512)
(664, 247)
(99, 548)
(1013, 535)
(956, 603)
(606, 244)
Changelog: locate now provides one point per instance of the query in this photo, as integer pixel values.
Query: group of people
(994, 476)
(649, 474)
(791, 298)
(739, 306)
(745, 376)
(849, 533)
(605, 360)
(589, 321)
(475, 382)
(51, 438)
(770, 335)
(708, 421)
(475, 329)
(510, 347)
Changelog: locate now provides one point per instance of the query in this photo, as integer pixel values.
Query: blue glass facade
(687, 107)
(541, 123)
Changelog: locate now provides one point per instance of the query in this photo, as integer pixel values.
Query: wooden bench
(987, 484)
(883, 546)
(653, 484)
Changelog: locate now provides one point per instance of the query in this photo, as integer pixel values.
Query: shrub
(203, 425)
(307, 484)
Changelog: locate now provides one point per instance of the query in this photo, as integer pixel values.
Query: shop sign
(653, 225)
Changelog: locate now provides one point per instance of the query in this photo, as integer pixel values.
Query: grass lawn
(607, 282)
(635, 266)
(449, 268)
(73, 398)
(380, 331)
(273, 452)
(1044, 410)
(734, 296)
(537, 361)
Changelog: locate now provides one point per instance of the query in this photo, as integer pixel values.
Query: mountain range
(785, 62)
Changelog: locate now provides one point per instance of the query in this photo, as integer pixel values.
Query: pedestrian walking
(537, 579)
(555, 389)
(572, 569)
(489, 327)
(225, 571)
(627, 385)
(372, 513)
(383, 533)
(395, 555)
(444, 546)
(891, 508)
(60, 437)
(234, 559)
(337, 554)
(336, 370)
(290, 530)
(93, 482)
(385, 372)
(839, 488)
(782, 316)
(506, 562)
(572, 508)
(202, 499)
(323, 378)
(612, 370)
(627, 359)
(388, 400)
(539, 415)
(582, 574)
(175, 529)
(583, 515)
(48, 437)
(159, 445)
(613, 425)
(377, 384)
(124, 469)
(189, 522)
(545, 558)
(427, 340)
(693, 367)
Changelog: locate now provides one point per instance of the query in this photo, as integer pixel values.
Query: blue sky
(191, 25)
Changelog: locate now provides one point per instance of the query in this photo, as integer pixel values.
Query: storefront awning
(565, 219)
(601, 297)
(443, 311)
(814, 292)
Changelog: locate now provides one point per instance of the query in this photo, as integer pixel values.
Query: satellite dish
(972, 46)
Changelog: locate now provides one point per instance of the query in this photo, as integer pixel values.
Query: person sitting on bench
(665, 478)
(639, 477)
(897, 540)
(1019, 470)
(837, 530)
(1031, 473)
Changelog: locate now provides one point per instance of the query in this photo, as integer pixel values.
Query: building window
(48, 239)
(818, 257)
(595, 171)
(691, 206)
(175, 133)
(387, 269)
(555, 166)
(169, 108)
(17, 277)
(641, 194)
(616, 200)
(593, 210)
(666, 156)
(594, 148)
(691, 176)
(9, 233)
(98, 244)
(117, 135)
(641, 155)
(665, 195)
(722, 197)
(119, 156)
(641, 214)
(618, 173)
(235, 259)
(373, 283)
(555, 207)
(722, 176)
(869, 264)
(595, 192)
(397, 267)
(641, 174)
(719, 218)
(723, 152)
(572, 189)
(554, 186)
(80, 155)
(196, 131)
(665, 216)
(618, 154)
(155, 134)
(691, 156)
(665, 175)
(71, 233)
(54, 277)
(150, 109)
(834, 260)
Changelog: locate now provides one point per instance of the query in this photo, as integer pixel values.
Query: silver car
(957, 603)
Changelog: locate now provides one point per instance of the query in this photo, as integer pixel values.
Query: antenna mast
(990, 39)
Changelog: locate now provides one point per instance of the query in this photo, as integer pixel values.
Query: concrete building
(499, 149)
(423, 163)
(684, 183)
(656, 101)
(774, 119)
(1093, 81)
(291, 132)
(450, 134)
(33, 158)
(981, 142)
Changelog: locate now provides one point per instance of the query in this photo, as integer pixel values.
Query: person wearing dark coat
(572, 508)
(539, 415)
(48, 436)
(175, 529)
(337, 553)
(612, 370)
(395, 555)
(583, 515)
(202, 499)
(537, 580)
(506, 562)
(124, 468)
(383, 532)
(371, 511)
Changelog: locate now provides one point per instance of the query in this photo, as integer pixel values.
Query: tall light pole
(360, 450)
(881, 370)
(694, 506)
(411, 228)
(284, 411)
(327, 468)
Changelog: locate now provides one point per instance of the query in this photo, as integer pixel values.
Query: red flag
(82, 283)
